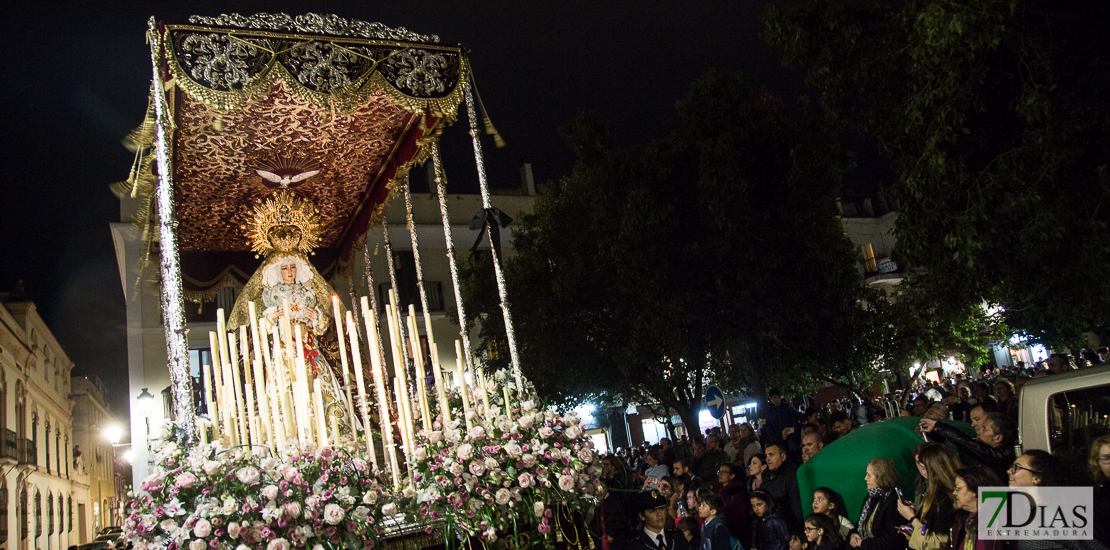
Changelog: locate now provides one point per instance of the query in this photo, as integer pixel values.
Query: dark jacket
(770, 533)
(715, 535)
(941, 516)
(614, 518)
(884, 523)
(711, 462)
(735, 496)
(995, 459)
(783, 486)
(779, 418)
(639, 541)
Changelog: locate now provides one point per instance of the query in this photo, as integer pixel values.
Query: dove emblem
(285, 181)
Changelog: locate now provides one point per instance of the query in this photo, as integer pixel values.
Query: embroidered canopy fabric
(333, 109)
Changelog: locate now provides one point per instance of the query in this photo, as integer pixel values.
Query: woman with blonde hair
(935, 513)
(879, 519)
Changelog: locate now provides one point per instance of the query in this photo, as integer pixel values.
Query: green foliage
(710, 256)
(994, 118)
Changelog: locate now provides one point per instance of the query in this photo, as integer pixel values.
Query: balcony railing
(11, 446)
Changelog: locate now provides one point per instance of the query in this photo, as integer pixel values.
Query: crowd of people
(717, 493)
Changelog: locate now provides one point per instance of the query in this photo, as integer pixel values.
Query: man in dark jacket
(654, 534)
(711, 461)
(780, 415)
(781, 480)
(993, 446)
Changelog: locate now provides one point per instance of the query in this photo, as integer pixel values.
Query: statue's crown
(283, 223)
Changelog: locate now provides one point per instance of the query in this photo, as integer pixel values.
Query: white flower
(491, 464)
(247, 475)
(456, 469)
(185, 480)
(333, 514)
(436, 437)
(477, 468)
(528, 460)
(477, 432)
(361, 513)
(390, 509)
(525, 480)
(512, 449)
(211, 467)
(464, 451)
(526, 421)
(197, 544)
(546, 432)
(528, 405)
(278, 544)
(202, 528)
(570, 419)
(229, 506)
(572, 432)
(370, 497)
(502, 496)
(242, 547)
(420, 453)
(538, 508)
(408, 491)
(233, 530)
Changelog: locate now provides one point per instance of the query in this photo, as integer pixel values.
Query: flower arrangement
(514, 470)
(240, 498)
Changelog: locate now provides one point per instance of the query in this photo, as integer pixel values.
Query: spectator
(879, 519)
(920, 406)
(684, 474)
(733, 440)
(614, 518)
(979, 413)
(934, 515)
(812, 443)
(698, 453)
(691, 531)
(714, 533)
(734, 497)
(656, 469)
(757, 468)
(960, 404)
(827, 434)
(1058, 363)
(983, 394)
(713, 458)
(769, 529)
(965, 533)
(822, 533)
(781, 481)
(748, 445)
(829, 502)
(651, 507)
(780, 415)
(841, 424)
(1007, 399)
(1099, 464)
(993, 446)
(671, 489)
(669, 453)
(937, 411)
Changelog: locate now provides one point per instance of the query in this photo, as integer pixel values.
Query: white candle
(371, 324)
(339, 326)
(421, 375)
(237, 389)
(484, 390)
(217, 380)
(356, 358)
(259, 380)
(321, 422)
(300, 388)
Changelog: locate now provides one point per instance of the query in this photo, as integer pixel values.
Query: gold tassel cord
(497, 139)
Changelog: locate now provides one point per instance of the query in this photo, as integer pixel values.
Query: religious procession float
(318, 424)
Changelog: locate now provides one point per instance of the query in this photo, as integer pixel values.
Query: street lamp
(114, 433)
(129, 456)
(145, 403)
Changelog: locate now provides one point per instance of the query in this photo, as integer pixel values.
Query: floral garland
(217, 498)
(516, 471)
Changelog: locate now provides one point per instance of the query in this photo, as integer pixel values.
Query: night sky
(76, 76)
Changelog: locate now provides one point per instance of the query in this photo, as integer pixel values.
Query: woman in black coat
(879, 519)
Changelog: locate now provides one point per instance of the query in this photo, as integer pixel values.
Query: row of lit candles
(289, 397)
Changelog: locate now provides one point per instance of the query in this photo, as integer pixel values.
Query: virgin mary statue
(285, 229)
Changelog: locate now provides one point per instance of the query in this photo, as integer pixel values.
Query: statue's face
(289, 273)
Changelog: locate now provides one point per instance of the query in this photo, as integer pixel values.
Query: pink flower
(464, 452)
(289, 474)
(566, 482)
(269, 492)
(572, 432)
(525, 480)
(292, 508)
(333, 514)
(197, 544)
(546, 432)
(525, 421)
(278, 544)
(502, 496)
(186, 480)
(202, 528)
(477, 432)
(233, 530)
(585, 455)
(528, 460)
(456, 469)
(491, 464)
(512, 449)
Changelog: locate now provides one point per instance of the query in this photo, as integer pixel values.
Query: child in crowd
(822, 533)
(769, 531)
(828, 502)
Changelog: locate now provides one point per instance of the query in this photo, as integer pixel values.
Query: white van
(1064, 413)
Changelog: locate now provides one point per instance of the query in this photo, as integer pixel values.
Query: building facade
(93, 452)
(43, 500)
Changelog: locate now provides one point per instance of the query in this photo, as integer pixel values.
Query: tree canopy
(712, 255)
(993, 116)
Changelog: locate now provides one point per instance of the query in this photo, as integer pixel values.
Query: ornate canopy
(329, 108)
